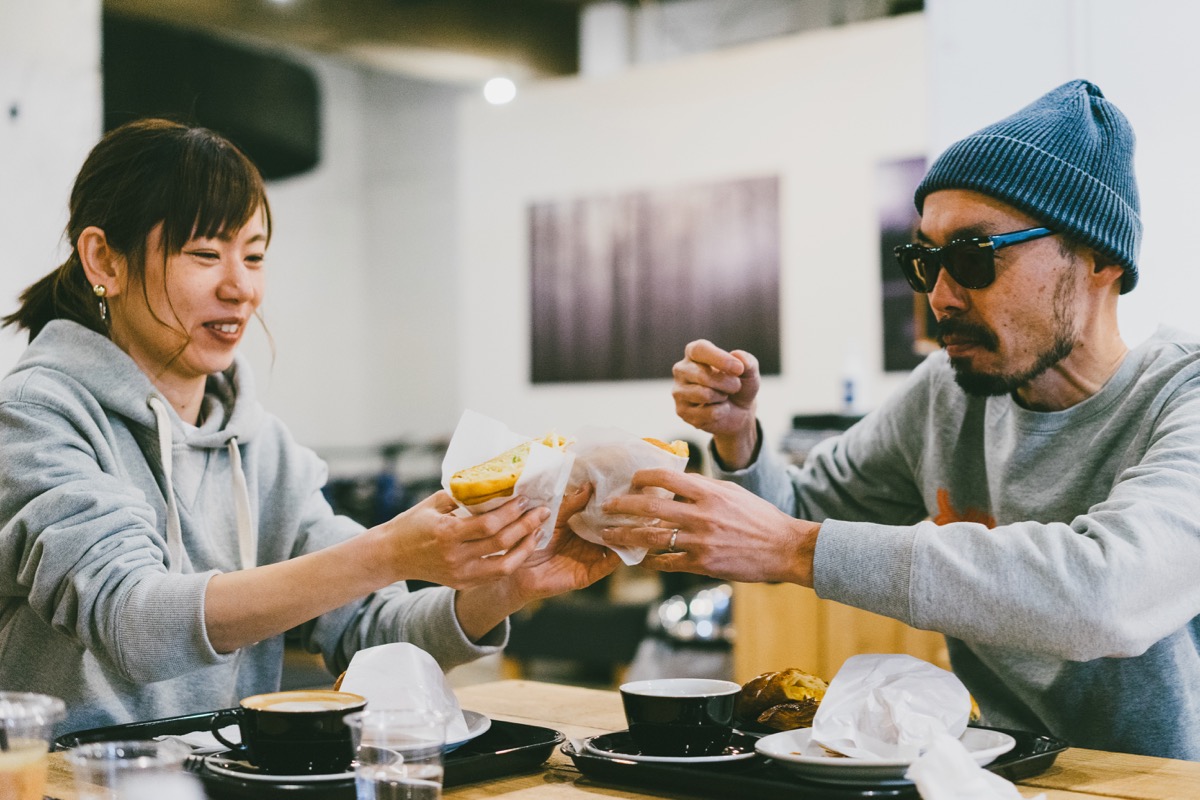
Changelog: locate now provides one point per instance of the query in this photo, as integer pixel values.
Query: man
(1032, 492)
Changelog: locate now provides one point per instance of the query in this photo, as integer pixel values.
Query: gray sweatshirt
(106, 548)
(1058, 551)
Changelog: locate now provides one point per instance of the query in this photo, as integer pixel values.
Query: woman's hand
(714, 528)
(568, 562)
(428, 542)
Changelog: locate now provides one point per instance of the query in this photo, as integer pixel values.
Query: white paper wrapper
(607, 458)
(402, 675)
(946, 771)
(890, 706)
(543, 479)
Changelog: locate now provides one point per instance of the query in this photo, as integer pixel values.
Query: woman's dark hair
(192, 180)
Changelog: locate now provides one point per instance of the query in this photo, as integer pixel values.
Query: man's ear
(102, 265)
(1104, 271)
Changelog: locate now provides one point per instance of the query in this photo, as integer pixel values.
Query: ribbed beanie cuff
(1066, 160)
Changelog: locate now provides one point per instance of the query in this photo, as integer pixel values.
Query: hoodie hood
(110, 376)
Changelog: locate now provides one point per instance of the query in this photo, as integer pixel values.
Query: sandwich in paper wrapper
(402, 675)
(898, 707)
(607, 458)
(889, 707)
(518, 465)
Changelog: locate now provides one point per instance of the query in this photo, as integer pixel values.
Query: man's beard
(983, 384)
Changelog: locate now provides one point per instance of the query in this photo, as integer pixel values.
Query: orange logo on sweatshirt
(947, 513)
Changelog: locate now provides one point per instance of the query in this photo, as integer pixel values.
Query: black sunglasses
(971, 262)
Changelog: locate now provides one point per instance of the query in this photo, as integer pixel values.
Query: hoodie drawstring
(247, 535)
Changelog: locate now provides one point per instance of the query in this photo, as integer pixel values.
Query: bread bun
(497, 476)
(780, 700)
(678, 447)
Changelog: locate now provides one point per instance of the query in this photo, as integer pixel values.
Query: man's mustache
(962, 332)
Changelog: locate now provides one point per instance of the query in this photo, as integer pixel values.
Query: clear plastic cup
(26, 729)
(111, 770)
(398, 753)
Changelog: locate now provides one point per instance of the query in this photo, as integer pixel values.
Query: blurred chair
(593, 634)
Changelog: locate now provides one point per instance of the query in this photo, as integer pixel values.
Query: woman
(160, 531)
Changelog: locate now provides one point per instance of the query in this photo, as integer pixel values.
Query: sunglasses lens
(916, 266)
(973, 267)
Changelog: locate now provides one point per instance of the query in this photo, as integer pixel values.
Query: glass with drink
(398, 753)
(127, 769)
(26, 728)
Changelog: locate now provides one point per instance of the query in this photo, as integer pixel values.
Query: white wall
(49, 118)
(819, 109)
(990, 57)
(360, 266)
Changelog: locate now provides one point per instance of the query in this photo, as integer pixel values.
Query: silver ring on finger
(671, 544)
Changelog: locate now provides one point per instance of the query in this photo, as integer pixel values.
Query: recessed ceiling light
(499, 91)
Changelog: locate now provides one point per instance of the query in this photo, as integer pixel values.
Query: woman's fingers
(573, 503)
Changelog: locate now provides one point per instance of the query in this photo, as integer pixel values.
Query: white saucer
(244, 770)
(795, 750)
(477, 725)
(620, 745)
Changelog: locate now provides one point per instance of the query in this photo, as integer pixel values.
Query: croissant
(780, 700)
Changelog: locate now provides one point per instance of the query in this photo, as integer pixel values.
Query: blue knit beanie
(1067, 160)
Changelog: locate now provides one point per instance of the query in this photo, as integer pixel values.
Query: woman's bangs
(219, 191)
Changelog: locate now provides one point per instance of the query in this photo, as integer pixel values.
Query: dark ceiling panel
(266, 104)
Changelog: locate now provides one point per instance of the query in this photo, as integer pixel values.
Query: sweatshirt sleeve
(425, 617)
(82, 546)
(1109, 583)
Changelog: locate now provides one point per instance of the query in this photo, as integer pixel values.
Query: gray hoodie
(106, 548)
(1058, 551)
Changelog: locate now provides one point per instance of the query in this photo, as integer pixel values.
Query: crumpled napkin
(890, 707)
(402, 675)
(543, 479)
(607, 458)
(946, 771)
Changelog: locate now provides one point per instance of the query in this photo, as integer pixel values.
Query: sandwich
(678, 447)
(497, 476)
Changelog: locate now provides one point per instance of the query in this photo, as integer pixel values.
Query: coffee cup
(680, 717)
(295, 732)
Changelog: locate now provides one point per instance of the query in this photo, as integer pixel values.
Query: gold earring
(101, 292)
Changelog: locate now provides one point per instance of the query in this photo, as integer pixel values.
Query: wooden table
(1077, 774)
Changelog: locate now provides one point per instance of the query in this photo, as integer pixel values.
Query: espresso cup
(294, 733)
(680, 716)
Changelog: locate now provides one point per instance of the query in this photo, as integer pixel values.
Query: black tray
(762, 777)
(503, 749)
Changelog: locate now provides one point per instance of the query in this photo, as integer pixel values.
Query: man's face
(1003, 337)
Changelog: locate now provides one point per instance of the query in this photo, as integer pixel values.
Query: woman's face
(204, 298)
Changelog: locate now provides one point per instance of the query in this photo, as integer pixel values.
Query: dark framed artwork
(619, 284)
(908, 323)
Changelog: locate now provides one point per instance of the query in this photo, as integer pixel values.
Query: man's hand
(715, 391)
(714, 528)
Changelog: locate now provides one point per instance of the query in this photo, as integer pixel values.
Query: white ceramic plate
(477, 725)
(794, 750)
(620, 745)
